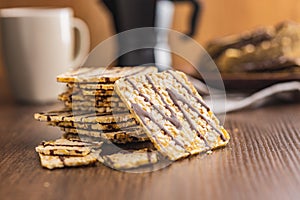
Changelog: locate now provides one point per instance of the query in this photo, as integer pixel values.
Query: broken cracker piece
(130, 160)
(52, 162)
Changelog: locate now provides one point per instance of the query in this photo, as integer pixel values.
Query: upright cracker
(173, 114)
(102, 74)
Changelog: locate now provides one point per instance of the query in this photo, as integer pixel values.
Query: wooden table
(262, 161)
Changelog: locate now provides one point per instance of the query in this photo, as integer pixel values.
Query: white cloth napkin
(238, 102)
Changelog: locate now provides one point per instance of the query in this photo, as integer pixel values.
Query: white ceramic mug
(38, 44)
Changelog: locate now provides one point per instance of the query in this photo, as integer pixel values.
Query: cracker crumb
(209, 152)
(46, 184)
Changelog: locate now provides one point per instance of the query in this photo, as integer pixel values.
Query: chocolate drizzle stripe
(65, 145)
(143, 114)
(177, 96)
(49, 119)
(149, 156)
(174, 121)
(62, 145)
(78, 152)
(157, 140)
(189, 91)
(175, 99)
(109, 161)
(62, 159)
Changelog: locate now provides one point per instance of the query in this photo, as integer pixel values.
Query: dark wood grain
(262, 161)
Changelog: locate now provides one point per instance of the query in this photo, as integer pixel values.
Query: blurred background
(219, 18)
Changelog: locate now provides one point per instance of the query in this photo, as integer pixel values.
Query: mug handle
(83, 42)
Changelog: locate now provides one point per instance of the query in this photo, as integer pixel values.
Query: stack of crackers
(128, 117)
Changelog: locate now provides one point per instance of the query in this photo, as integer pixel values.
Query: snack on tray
(269, 49)
(172, 113)
(218, 46)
